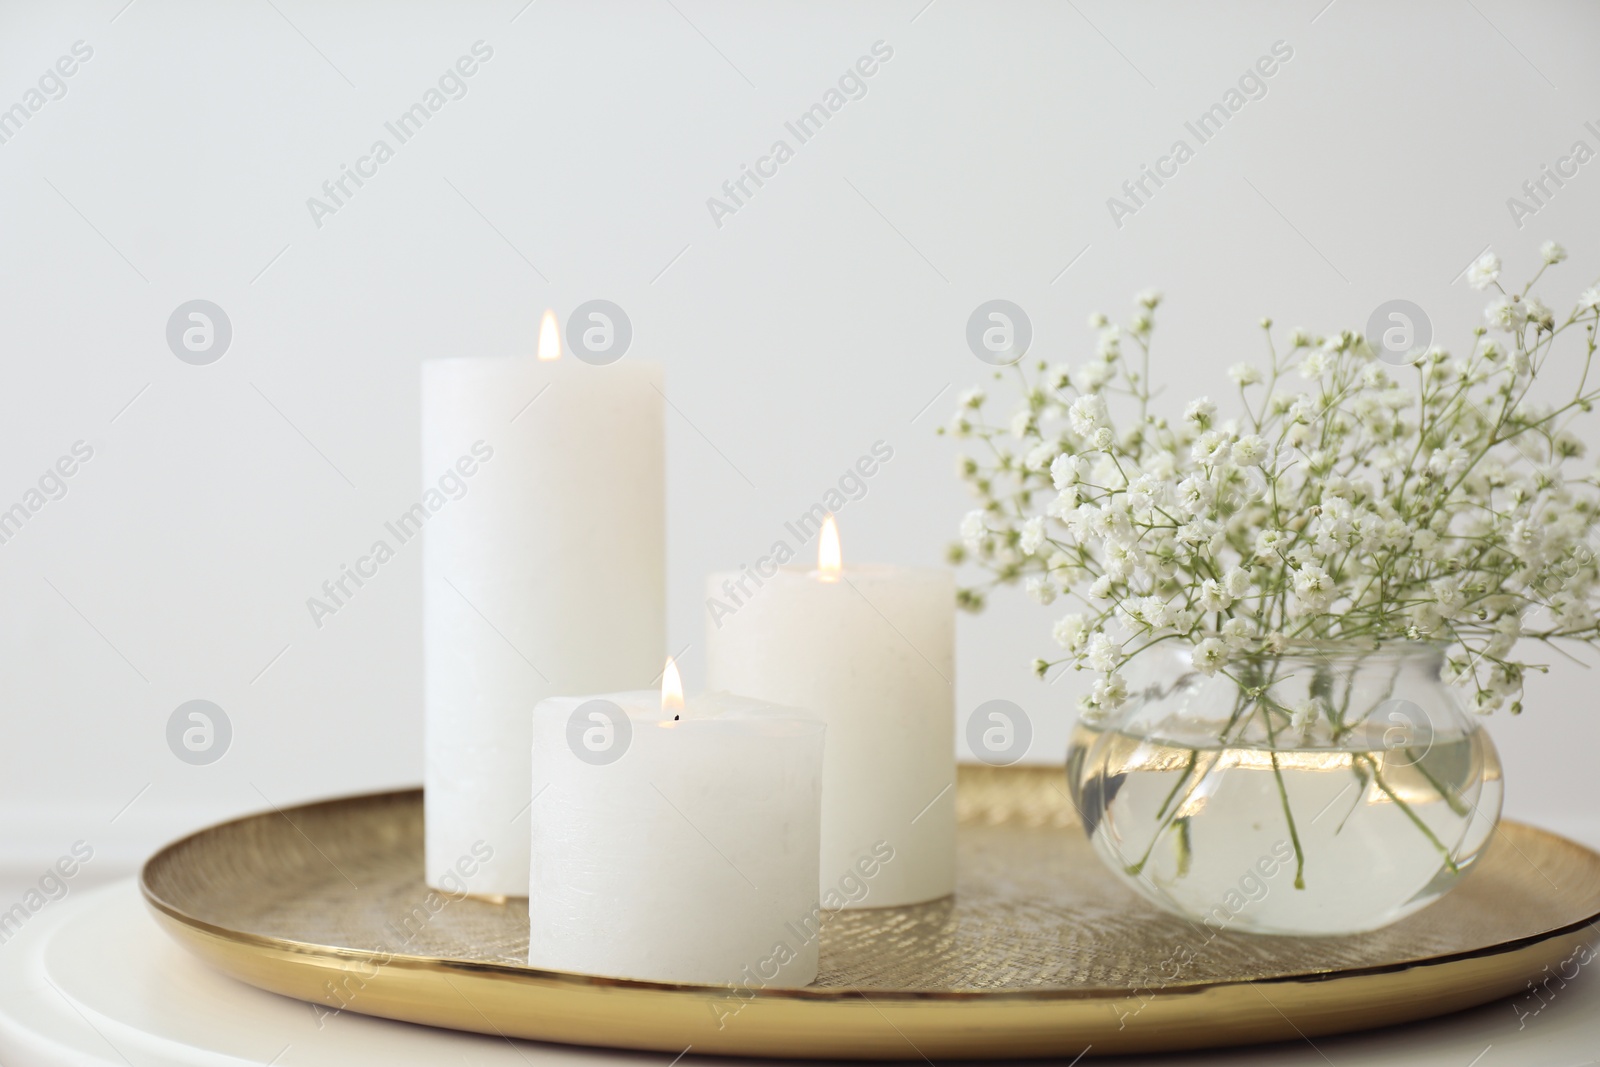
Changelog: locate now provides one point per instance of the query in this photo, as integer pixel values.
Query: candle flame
(671, 689)
(549, 337)
(830, 561)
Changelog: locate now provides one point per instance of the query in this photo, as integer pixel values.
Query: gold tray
(1040, 953)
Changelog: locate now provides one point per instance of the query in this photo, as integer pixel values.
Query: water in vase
(1317, 840)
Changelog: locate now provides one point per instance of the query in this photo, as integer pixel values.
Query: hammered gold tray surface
(1040, 952)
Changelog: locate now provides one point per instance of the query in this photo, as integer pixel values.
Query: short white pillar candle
(675, 843)
(871, 650)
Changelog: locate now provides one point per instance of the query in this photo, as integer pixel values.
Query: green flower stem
(1283, 797)
(1447, 795)
(1188, 769)
(1377, 778)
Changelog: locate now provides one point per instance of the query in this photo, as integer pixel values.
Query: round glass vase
(1325, 790)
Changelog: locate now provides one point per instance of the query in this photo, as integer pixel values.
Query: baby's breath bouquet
(1306, 567)
(1338, 497)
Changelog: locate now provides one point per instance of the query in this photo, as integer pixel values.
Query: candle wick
(675, 718)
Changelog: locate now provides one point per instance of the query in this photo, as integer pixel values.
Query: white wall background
(824, 316)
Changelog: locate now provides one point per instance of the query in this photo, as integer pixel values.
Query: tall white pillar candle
(870, 649)
(675, 850)
(543, 569)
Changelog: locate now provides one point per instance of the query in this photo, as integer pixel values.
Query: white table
(92, 980)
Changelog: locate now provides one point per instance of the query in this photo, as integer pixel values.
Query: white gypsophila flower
(1213, 597)
(1085, 522)
(1210, 656)
(1150, 298)
(1041, 589)
(1163, 465)
(1237, 582)
(1451, 459)
(1314, 365)
(973, 398)
(1157, 613)
(1064, 505)
(1507, 630)
(1485, 270)
(1040, 457)
(1552, 253)
(1539, 313)
(1032, 538)
(1088, 413)
(1313, 588)
(1115, 691)
(1200, 411)
(974, 528)
(1123, 560)
(1110, 692)
(1269, 543)
(1091, 376)
(1505, 314)
(1589, 299)
(1102, 653)
(1448, 597)
(1196, 494)
(1236, 634)
(1250, 450)
(1071, 631)
(1244, 374)
(1066, 470)
(1210, 448)
(1144, 492)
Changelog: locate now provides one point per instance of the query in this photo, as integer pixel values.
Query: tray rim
(510, 1000)
(411, 961)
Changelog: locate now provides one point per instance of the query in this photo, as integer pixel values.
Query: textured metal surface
(1034, 914)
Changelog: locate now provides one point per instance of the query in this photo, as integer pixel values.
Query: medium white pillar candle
(545, 574)
(870, 649)
(675, 850)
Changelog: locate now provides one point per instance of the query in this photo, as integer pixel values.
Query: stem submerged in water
(1188, 769)
(1455, 802)
(1377, 779)
(1288, 814)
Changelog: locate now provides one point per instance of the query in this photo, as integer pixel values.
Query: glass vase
(1326, 790)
